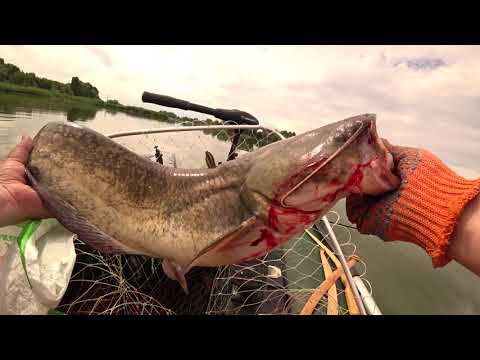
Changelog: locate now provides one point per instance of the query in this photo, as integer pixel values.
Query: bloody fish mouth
(322, 163)
(373, 175)
(381, 179)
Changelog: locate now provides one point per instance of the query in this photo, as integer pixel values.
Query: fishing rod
(236, 116)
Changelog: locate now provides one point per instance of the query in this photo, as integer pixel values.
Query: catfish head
(310, 172)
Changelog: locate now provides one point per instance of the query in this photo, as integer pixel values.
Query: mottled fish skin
(154, 210)
(228, 214)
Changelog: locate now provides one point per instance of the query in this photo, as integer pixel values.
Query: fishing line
(340, 224)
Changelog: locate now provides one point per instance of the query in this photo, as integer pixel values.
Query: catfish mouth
(382, 179)
(377, 176)
(380, 145)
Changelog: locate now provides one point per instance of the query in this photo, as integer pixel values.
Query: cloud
(425, 96)
(421, 63)
(102, 55)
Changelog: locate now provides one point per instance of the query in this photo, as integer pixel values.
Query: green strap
(55, 312)
(28, 229)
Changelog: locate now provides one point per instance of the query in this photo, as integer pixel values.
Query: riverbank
(87, 103)
(79, 108)
(82, 100)
(53, 98)
(9, 88)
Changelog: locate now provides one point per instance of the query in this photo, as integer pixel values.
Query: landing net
(285, 281)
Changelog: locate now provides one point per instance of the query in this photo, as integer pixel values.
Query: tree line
(249, 140)
(12, 74)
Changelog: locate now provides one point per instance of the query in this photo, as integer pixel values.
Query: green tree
(44, 83)
(79, 88)
(3, 73)
(75, 86)
(30, 79)
(11, 70)
(17, 77)
(68, 89)
(287, 134)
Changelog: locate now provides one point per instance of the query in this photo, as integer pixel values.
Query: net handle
(345, 266)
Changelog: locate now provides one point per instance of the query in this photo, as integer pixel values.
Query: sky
(424, 96)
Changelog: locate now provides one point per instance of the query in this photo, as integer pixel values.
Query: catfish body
(120, 202)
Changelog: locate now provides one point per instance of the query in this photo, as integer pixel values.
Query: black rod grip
(240, 117)
(169, 101)
(164, 100)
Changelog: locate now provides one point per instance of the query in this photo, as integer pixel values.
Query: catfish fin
(69, 217)
(231, 239)
(175, 272)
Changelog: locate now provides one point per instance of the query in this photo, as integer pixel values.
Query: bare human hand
(18, 201)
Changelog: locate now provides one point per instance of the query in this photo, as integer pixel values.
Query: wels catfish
(119, 202)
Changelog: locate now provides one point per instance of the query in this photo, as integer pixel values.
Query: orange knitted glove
(423, 210)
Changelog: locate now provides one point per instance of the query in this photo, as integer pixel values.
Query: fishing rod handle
(164, 100)
(237, 116)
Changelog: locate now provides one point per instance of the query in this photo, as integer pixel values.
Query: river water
(401, 275)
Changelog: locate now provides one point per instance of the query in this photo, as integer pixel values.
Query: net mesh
(281, 282)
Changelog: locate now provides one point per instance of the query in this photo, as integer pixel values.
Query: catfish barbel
(119, 202)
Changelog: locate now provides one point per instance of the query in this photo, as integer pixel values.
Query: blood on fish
(353, 181)
(290, 218)
(284, 222)
(335, 182)
(269, 238)
(357, 176)
(273, 217)
(287, 221)
(301, 217)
